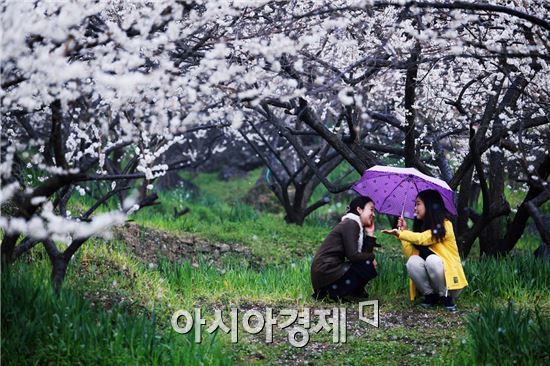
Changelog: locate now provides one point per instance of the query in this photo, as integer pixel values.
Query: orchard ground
(119, 295)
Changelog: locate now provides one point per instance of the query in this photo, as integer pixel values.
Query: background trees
(453, 89)
(96, 97)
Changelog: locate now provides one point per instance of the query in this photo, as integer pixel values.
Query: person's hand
(394, 232)
(401, 223)
(370, 229)
(374, 264)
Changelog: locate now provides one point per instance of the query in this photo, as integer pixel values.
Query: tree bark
(463, 208)
(307, 116)
(24, 246)
(59, 270)
(492, 235)
(410, 110)
(8, 247)
(467, 238)
(516, 228)
(532, 206)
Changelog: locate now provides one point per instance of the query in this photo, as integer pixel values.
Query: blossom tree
(94, 96)
(459, 90)
(297, 162)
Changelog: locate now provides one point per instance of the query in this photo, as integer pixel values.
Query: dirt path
(150, 245)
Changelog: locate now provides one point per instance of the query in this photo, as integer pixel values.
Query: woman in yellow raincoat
(433, 261)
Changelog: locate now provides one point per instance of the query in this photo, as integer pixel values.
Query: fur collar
(356, 218)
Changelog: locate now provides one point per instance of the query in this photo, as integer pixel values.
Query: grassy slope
(109, 276)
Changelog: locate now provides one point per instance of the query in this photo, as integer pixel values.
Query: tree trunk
(493, 234)
(308, 117)
(517, 226)
(294, 216)
(538, 218)
(410, 110)
(463, 210)
(59, 269)
(8, 247)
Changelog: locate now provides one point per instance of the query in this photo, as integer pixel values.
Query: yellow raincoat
(446, 249)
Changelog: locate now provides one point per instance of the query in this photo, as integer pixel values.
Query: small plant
(505, 336)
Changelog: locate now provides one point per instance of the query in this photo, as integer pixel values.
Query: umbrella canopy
(394, 190)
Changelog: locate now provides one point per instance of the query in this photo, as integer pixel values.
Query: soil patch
(150, 246)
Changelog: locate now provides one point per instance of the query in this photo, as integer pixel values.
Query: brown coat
(338, 251)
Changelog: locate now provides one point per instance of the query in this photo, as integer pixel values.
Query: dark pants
(352, 283)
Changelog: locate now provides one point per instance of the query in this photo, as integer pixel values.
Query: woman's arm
(426, 238)
(350, 237)
(406, 245)
(408, 248)
(423, 238)
(369, 242)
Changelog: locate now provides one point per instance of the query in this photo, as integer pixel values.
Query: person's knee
(433, 262)
(414, 263)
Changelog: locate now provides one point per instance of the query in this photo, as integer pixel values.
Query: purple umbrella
(394, 190)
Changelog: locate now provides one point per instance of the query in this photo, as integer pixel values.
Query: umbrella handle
(406, 196)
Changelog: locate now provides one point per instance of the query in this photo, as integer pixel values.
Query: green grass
(123, 294)
(121, 303)
(523, 279)
(505, 336)
(396, 346)
(268, 236)
(233, 190)
(39, 327)
(275, 283)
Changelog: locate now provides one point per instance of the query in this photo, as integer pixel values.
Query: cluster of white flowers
(50, 225)
(142, 74)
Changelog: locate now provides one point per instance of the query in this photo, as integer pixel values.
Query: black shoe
(430, 301)
(448, 303)
(361, 294)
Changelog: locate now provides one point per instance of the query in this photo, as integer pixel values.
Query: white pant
(428, 275)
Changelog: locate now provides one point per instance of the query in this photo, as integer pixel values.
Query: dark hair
(435, 215)
(360, 201)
